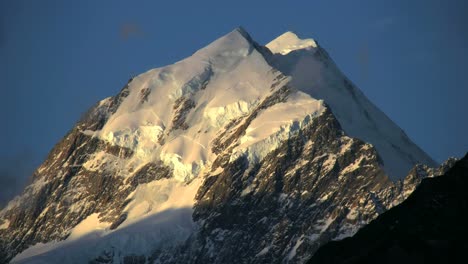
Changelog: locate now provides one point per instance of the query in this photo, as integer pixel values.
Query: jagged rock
(428, 227)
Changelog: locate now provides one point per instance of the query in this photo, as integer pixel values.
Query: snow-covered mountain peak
(167, 109)
(288, 42)
(178, 113)
(224, 151)
(237, 42)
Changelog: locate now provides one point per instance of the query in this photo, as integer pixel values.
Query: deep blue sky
(57, 58)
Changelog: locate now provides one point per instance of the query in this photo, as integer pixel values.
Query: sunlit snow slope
(175, 112)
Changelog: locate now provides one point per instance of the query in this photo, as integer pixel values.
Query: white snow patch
(353, 214)
(288, 42)
(156, 196)
(345, 148)
(263, 251)
(247, 190)
(347, 230)
(143, 139)
(102, 161)
(293, 251)
(221, 115)
(329, 163)
(324, 197)
(353, 166)
(90, 224)
(5, 225)
(37, 185)
(276, 124)
(323, 225)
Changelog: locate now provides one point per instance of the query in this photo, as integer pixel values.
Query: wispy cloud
(130, 30)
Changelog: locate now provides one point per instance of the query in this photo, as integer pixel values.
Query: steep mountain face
(239, 153)
(313, 72)
(428, 227)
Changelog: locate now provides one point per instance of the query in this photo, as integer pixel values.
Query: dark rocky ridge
(428, 227)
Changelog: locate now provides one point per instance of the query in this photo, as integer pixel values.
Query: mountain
(428, 227)
(238, 153)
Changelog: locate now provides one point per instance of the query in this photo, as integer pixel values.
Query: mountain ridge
(206, 140)
(428, 227)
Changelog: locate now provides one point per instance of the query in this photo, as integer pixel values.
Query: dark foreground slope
(429, 227)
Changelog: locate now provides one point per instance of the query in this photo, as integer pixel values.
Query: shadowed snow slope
(314, 72)
(167, 227)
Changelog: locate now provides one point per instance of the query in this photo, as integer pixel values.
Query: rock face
(306, 192)
(428, 227)
(65, 191)
(319, 185)
(231, 155)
